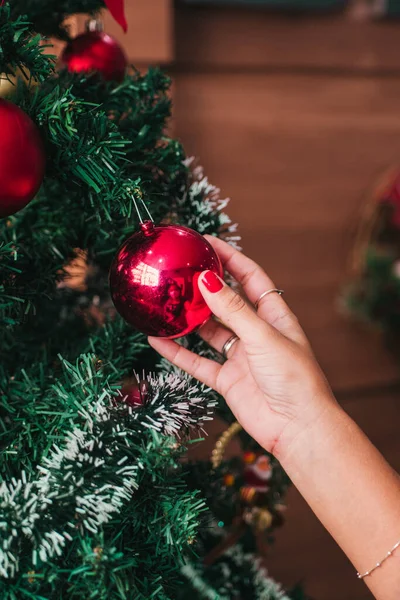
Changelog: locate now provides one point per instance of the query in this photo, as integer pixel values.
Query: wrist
(303, 437)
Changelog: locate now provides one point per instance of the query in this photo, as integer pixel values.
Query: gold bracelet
(379, 564)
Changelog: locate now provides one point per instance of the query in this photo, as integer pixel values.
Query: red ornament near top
(22, 159)
(154, 279)
(95, 52)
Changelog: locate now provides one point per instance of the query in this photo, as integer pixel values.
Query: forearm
(353, 491)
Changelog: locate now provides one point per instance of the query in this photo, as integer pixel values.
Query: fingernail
(212, 282)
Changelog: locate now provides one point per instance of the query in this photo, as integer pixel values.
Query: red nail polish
(212, 282)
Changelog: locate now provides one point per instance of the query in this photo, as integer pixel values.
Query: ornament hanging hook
(147, 225)
(150, 218)
(95, 24)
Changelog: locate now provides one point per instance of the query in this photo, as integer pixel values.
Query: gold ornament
(249, 457)
(219, 450)
(98, 364)
(229, 479)
(260, 518)
(247, 494)
(31, 576)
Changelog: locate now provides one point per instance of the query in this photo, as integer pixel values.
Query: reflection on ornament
(154, 279)
(145, 275)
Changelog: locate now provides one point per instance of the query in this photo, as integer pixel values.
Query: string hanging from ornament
(95, 52)
(154, 277)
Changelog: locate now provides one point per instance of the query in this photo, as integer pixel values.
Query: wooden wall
(295, 119)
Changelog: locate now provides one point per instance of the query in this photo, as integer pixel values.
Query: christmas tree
(98, 498)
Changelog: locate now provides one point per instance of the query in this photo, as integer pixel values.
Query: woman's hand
(271, 379)
(278, 393)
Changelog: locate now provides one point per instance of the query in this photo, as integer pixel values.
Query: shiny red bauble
(95, 51)
(22, 159)
(135, 392)
(154, 279)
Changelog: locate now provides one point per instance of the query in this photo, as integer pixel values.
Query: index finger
(255, 281)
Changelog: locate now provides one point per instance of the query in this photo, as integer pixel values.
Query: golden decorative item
(247, 494)
(249, 457)
(31, 576)
(229, 479)
(262, 519)
(219, 450)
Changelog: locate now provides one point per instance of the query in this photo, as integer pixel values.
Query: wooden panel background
(298, 154)
(298, 150)
(149, 39)
(150, 35)
(295, 119)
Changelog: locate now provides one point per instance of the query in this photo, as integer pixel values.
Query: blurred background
(293, 108)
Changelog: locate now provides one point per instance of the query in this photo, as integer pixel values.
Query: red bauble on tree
(154, 279)
(135, 392)
(22, 159)
(95, 51)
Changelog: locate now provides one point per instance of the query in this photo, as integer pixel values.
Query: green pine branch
(110, 454)
(20, 50)
(93, 499)
(48, 17)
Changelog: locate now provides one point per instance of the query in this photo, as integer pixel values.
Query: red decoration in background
(392, 196)
(117, 10)
(22, 159)
(153, 279)
(258, 473)
(249, 457)
(135, 392)
(95, 51)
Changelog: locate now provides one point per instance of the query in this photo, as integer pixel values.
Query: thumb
(232, 309)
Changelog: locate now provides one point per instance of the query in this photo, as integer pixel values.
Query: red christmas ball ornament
(95, 51)
(135, 392)
(22, 159)
(154, 279)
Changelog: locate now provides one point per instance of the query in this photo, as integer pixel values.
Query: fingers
(203, 369)
(255, 281)
(233, 311)
(216, 335)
